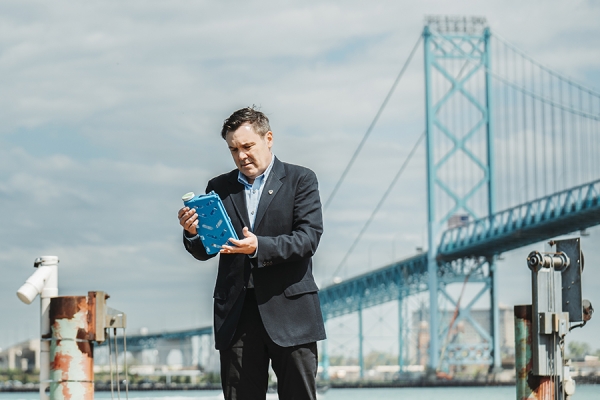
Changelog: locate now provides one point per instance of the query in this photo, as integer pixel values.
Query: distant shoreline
(587, 380)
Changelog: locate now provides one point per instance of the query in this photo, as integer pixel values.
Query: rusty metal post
(71, 348)
(529, 386)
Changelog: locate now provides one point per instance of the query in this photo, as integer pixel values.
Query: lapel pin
(270, 192)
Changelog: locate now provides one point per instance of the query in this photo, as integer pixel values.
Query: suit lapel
(269, 192)
(238, 198)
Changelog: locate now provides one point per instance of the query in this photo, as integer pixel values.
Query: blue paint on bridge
(560, 213)
(557, 214)
(386, 284)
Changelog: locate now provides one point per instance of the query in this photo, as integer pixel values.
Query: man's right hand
(188, 219)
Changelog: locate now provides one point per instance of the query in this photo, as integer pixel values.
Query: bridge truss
(503, 133)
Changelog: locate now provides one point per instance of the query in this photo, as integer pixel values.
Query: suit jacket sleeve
(307, 227)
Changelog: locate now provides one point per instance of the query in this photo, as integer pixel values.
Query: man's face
(250, 151)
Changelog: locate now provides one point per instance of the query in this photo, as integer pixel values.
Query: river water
(583, 392)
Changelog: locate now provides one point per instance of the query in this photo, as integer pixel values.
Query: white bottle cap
(188, 196)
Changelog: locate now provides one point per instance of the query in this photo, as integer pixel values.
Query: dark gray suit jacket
(288, 225)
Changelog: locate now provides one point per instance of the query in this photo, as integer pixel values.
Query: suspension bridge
(511, 148)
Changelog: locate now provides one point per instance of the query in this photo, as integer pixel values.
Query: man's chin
(249, 172)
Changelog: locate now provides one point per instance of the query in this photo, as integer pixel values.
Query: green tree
(375, 358)
(579, 349)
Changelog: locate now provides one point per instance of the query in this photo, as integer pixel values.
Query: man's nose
(242, 155)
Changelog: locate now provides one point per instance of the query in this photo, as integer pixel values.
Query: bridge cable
(524, 90)
(554, 146)
(383, 198)
(526, 168)
(410, 155)
(544, 169)
(564, 106)
(507, 128)
(370, 129)
(558, 75)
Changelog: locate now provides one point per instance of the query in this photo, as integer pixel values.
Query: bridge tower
(460, 179)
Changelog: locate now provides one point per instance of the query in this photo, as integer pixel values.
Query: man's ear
(269, 139)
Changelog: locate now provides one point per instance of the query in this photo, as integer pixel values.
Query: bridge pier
(400, 332)
(361, 361)
(454, 72)
(494, 317)
(325, 354)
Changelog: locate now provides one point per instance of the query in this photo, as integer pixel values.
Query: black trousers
(245, 365)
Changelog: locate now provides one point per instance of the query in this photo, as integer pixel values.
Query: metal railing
(557, 214)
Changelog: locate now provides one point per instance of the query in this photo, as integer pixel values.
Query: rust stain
(542, 387)
(66, 391)
(522, 373)
(61, 362)
(68, 313)
(523, 312)
(91, 316)
(85, 347)
(87, 366)
(65, 307)
(546, 388)
(82, 304)
(89, 394)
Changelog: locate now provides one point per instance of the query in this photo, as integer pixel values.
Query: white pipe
(44, 281)
(50, 291)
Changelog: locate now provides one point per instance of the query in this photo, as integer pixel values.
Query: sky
(112, 110)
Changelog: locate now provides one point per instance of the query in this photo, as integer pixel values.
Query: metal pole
(400, 333)
(491, 181)
(495, 317)
(71, 351)
(432, 224)
(49, 291)
(325, 355)
(529, 386)
(361, 361)
(490, 126)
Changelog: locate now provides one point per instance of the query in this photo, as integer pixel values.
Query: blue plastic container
(214, 225)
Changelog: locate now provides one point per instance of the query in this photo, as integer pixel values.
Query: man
(266, 305)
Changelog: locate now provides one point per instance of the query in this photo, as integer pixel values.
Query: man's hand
(188, 219)
(247, 245)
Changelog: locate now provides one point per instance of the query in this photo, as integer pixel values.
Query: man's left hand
(247, 245)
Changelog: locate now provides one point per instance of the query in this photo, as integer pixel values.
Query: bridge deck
(382, 285)
(560, 213)
(567, 211)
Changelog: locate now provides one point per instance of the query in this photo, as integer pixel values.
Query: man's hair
(247, 115)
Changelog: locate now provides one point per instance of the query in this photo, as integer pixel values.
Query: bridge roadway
(140, 342)
(557, 214)
(550, 216)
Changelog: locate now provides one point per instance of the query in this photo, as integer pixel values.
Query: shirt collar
(260, 179)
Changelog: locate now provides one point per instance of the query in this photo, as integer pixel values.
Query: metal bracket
(104, 317)
(571, 278)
